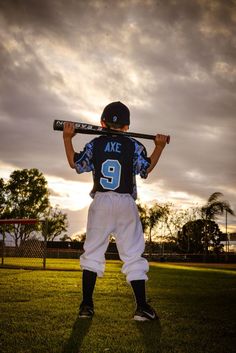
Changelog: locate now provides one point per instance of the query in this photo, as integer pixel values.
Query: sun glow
(66, 194)
(72, 195)
(156, 192)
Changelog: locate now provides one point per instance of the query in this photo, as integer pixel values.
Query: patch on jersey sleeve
(141, 161)
(83, 160)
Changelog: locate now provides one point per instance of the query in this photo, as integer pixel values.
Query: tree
(80, 237)
(3, 204)
(177, 218)
(56, 222)
(27, 196)
(2, 208)
(2, 198)
(143, 214)
(156, 214)
(199, 236)
(150, 217)
(215, 207)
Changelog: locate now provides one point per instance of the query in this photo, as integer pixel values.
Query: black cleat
(145, 313)
(86, 311)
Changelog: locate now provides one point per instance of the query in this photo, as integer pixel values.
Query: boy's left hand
(161, 140)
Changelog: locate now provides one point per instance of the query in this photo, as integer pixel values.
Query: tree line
(193, 230)
(26, 195)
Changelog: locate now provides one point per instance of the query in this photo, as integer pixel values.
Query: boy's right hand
(69, 130)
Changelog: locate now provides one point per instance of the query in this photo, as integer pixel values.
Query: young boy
(114, 160)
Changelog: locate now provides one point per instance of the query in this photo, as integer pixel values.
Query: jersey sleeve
(83, 160)
(141, 161)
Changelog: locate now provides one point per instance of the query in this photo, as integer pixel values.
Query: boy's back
(114, 160)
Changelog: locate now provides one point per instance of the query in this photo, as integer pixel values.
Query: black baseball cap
(116, 112)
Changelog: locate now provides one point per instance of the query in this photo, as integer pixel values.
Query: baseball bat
(84, 128)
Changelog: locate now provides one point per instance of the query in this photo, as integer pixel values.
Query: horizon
(60, 192)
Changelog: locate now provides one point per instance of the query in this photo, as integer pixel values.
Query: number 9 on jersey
(111, 170)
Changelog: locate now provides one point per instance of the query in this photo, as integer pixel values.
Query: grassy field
(37, 263)
(196, 305)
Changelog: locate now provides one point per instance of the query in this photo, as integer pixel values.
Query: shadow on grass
(79, 331)
(151, 333)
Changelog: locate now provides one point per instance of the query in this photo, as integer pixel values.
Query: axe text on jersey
(113, 147)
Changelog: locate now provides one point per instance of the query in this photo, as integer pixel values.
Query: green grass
(196, 305)
(29, 262)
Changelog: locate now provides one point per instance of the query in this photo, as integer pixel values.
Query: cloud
(77, 220)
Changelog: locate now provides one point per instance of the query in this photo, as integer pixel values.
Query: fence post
(45, 233)
(3, 244)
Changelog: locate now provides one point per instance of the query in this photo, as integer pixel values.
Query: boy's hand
(161, 140)
(69, 130)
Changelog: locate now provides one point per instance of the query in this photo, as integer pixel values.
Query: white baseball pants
(114, 213)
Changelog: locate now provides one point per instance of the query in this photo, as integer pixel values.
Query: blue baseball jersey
(114, 161)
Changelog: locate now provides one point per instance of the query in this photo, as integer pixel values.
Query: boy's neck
(124, 128)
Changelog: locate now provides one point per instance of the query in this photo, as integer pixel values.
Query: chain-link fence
(23, 243)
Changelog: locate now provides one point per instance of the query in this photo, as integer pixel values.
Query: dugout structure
(23, 243)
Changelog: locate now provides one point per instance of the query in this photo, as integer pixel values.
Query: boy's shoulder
(116, 137)
(113, 142)
(127, 141)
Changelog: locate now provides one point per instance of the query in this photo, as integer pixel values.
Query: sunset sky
(172, 62)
